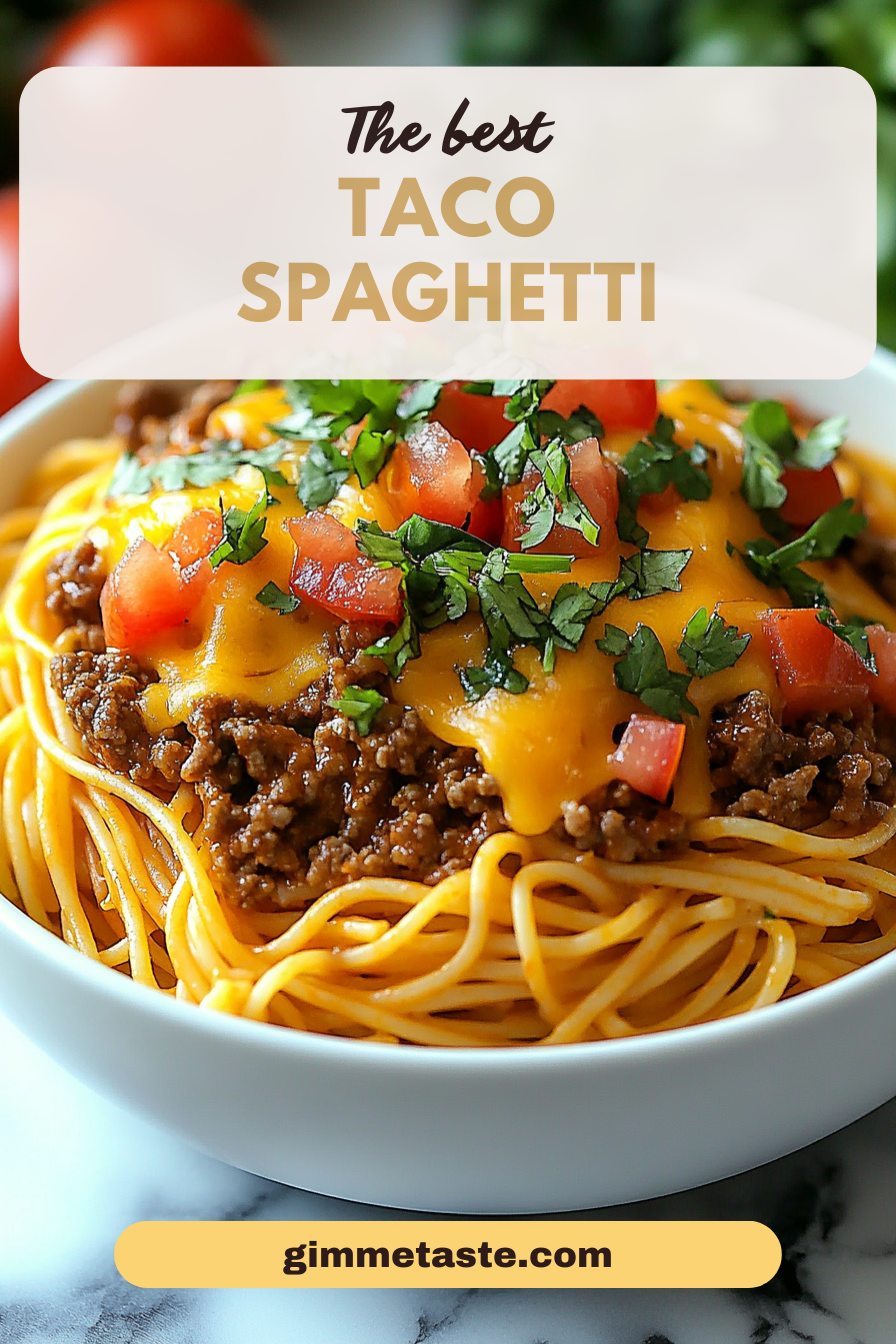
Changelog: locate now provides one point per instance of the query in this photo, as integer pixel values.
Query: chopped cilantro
(554, 500)
(243, 535)
(322, 410)
(649, 573)
(361, 705)
(276, 600)
(770, 443)
(218, 462)
(652, 465)
(324, 469)
(779, 566)
(642, 670)
(853, 633)
(399, 648)
(709, 644)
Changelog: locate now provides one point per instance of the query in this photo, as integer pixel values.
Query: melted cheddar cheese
(547, 747)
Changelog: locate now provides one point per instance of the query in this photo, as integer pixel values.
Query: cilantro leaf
(243, 535)
(249, 385)
(853, 633)
(323, 471)
(218, 462)
(496, 673)
(399, 648)
(642, 670)
(276, 600)
(370, 453)
(418, 399)
(709, 644)
(778, 566)
(512, 453)
(554, 499)
(769, 440)
(820, 445)
(581, 424)
(361, 705)
(571, 610)
(651, 465)
(649, 573)
(770, 443)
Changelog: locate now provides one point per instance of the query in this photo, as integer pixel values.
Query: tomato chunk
(477, 421)
(618, 403)
(433, 474)
(195, 537)
(816, 671)
(595, 481)
(809, 495)
(648, 755)
(330, 572)
(151, 590)
(487, 516)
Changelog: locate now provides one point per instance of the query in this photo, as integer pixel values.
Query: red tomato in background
(161, 32)
(809, 495)
(17, 378)
(618, 403)
(477, 421)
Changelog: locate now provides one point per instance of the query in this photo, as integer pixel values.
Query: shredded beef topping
(830, 765)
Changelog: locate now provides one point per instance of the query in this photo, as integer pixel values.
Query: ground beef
(822, 766)
(296, 801)
(74, 581)
(141, 410)
(187, 428)
(101, 693)
(621, 824)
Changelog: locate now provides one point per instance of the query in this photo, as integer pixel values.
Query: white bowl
(465, 1131)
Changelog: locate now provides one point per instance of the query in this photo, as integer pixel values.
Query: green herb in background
(859, 34)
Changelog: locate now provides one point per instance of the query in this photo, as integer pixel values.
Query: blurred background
(860, 34)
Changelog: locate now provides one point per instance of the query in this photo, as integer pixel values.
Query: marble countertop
(75, 1170)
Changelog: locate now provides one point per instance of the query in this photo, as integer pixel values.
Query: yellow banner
(480, 1254)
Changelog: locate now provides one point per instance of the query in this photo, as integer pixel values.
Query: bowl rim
(95, 977)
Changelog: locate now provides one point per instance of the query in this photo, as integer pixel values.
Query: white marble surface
(75, 1170)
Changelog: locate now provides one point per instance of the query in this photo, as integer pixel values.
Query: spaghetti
(533, 942)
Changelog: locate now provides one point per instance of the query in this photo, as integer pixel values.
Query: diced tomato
(816, 671)
(487, 516)
(330, 572)
(151, 590)
(477, 421)
(883, 687)
(809, 495)
(656, 504)
(618, 403)
(433, 475)
(594, 480)
(648, 755)
(195, 537)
